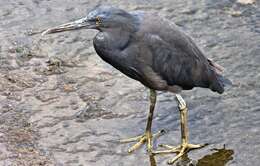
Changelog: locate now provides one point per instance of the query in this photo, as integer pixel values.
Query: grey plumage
(150, 49)
(156, 52)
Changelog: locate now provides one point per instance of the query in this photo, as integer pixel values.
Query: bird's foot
(145, 138)
(180, 150)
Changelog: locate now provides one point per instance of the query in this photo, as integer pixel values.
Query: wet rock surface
(60, 104)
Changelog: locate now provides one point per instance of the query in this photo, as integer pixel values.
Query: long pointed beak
(78, 24)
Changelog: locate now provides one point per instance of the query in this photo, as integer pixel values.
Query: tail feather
(225, 81)
(221, 84)
(218, 68)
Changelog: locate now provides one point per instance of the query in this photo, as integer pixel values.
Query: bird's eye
(98, 21)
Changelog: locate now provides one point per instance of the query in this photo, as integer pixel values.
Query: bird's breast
(100, 36)
(104, 47)
(100, 41)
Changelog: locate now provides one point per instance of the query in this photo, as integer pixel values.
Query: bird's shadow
(219, 157)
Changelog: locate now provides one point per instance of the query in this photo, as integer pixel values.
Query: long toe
(170, 149)
(184, 149)
(140, 140)
(179, 150)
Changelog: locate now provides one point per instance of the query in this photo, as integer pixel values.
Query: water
(40, 101)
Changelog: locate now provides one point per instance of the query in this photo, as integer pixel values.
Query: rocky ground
(46, 81)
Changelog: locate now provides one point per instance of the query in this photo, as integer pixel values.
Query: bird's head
(101, 18)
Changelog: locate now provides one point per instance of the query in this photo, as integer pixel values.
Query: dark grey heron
(155, 52)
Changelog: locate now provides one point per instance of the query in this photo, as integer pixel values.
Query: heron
(156, 52)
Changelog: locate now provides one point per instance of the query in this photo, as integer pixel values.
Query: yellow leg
(185, 146)
(152, 160)
(147, 136)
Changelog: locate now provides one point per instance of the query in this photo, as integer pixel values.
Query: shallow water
(46, 81)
